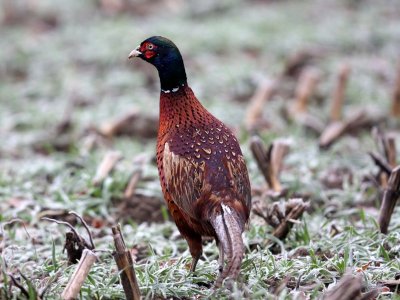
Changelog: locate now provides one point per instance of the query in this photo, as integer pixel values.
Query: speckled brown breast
(198, 157)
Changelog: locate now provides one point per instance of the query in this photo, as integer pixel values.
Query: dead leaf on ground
(140, 208)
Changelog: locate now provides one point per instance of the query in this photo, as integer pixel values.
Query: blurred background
(64, 67)
(57, 57)
(69, 95)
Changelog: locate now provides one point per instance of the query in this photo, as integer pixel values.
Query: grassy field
(67, 60)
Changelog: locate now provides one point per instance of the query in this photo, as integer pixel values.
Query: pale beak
(135, 53)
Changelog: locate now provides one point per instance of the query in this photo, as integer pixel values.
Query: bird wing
(184, 179)
(187, 180)
(238, 174)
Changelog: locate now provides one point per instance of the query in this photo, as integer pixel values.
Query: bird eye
(150, 46)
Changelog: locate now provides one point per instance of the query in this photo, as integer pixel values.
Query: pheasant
(202, 171)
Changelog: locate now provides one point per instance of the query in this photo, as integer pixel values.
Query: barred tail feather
(229, 228)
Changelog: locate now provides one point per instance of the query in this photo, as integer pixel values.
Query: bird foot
(195, 260)
(220, 269)
(226, 282)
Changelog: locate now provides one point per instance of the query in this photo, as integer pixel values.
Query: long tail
(229, 227)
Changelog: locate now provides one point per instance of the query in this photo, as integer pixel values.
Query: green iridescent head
(165, 56)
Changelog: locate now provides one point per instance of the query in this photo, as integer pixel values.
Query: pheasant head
(165, 56)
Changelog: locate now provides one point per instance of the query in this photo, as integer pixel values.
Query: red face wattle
(148, 50)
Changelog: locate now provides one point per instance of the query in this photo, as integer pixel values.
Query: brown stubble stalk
(263, 93)
(391, 150)
(349, 288)
(385, 158)
(79, 276)
(357, 120)
(294, 211)
(75, 244)
(108, 163)
(339, 93)
(133, 123)
(305, 89)
(263, 162)
(280, 148)
(298, 60)
(338, 128)
(124, 262)
(270, 161)
(390, 197)
(395, 109)
(132, 184)
(136, 175)
(281, 215)
(384, 167)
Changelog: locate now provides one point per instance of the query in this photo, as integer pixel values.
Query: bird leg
(194, 264)
(221, 257)
(192, 238)
(196, 249)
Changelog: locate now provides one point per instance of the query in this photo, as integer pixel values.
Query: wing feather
(183, 179)
(187, 180)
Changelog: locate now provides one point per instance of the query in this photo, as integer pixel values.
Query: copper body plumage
(202, 171)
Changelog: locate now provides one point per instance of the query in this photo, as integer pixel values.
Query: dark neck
(172, 74)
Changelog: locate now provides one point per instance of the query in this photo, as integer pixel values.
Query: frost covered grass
(82, 64)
